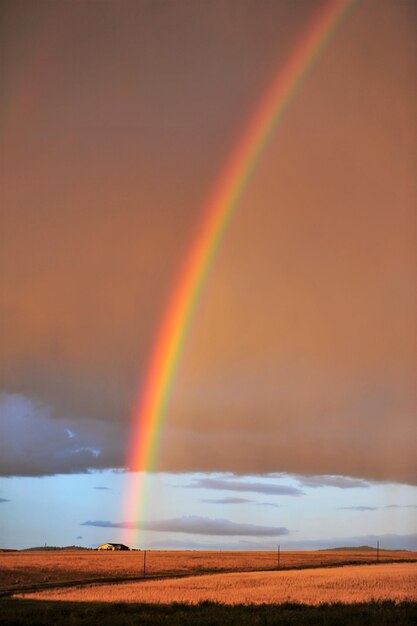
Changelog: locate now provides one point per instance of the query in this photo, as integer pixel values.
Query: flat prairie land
(21, 570)
(347, 585)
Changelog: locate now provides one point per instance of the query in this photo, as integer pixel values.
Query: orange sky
(117, 120)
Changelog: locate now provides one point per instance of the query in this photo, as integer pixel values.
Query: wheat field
(28, 568)
(348, 584)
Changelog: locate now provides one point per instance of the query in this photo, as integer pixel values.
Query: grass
(31, 613)
(349, 584)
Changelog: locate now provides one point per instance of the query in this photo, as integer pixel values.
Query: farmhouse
(112, 546)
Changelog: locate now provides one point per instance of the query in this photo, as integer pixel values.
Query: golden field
(348, 584)
(20, 570)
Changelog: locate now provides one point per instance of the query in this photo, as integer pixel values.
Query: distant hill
(8, 550)
(50, 548)
(355, 549)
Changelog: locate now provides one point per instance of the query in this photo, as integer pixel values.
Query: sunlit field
(349, 584)
(184, 588)
(25, 569)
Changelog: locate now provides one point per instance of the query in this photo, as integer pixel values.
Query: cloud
(377, 508)
(401, 506)
(246, 486)
(357, 508)
(226, 500)
(232, 500)
(39, 445)
(196, 525)
(79, 537)
(188, 543)
(103, 488)
(341, 482)
(4, 500)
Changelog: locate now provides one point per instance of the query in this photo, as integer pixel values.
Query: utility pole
(377, 551)
(144, 563)
(278, 555)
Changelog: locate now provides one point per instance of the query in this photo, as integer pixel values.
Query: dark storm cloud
(247, 486)
(342, 482)
(226, 501)
(196, 525)
(35, 444)
(4, 500)
(301, 357)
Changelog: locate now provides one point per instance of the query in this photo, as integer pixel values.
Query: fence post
(278, 555)
(377, 551)
(144, 563)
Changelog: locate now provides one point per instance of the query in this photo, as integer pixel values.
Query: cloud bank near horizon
(245, 486)
(225, 500)
(196, 525)
(340, 482)
(387, 542)
(376, 508)
(357, 508)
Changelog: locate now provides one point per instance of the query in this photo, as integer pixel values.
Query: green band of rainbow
(149, 416)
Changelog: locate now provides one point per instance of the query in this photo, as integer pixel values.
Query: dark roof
(120, 546)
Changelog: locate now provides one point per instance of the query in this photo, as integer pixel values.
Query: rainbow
(217, 214)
